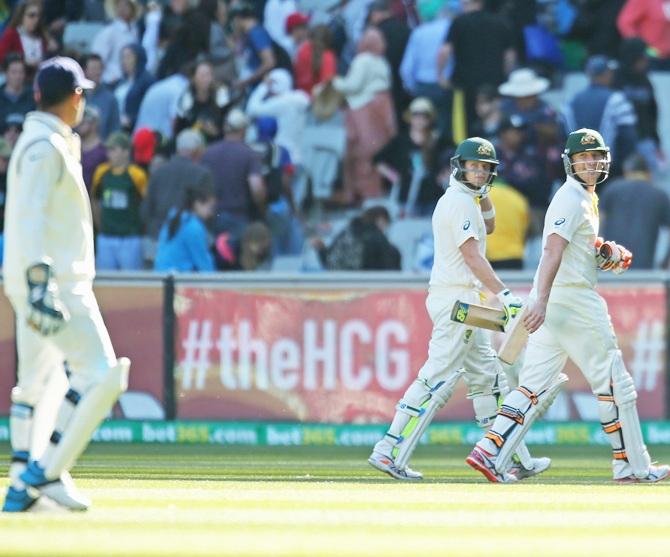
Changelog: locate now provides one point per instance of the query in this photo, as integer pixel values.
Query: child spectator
(183, 242)
(118, 189)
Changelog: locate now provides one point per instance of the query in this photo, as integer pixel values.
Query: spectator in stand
(186, 41)
(145, 146)
(93, 151)
(633, 210)
(101, 97)
(370, 118)
(259, 56)
(5, 153)
(236, 172)
(362, 245)
(167, 183)
(26, 35)
(633, 80)
(256, 248)
(184, 242)
(12, 127)
(16, 96)
(275, 97)
(409, 160)
(545, 128)
(297, 28)
(159, 108)
(396, 35)
(476, 62)
(600, 107)
(595, 26)
(505, 246)
(277, 171)
(521, 166)
(221, 44)
(489, 113)
(650, 21)
(418, 69)
(315, 61)
(161, 23)
(134, 84)
(118, 34)
(118, 189)
(204, 104)
(275, 17)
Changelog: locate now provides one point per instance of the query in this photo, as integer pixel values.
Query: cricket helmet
(475, 149)
(582, 141)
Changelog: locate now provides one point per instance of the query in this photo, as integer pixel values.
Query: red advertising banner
(346, 356)
(134, 318)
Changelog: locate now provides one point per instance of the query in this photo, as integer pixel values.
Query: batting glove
(624, 262)
(607, 254)
(511, 304)
(46, 313)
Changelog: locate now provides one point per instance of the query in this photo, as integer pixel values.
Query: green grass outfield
(311, 501)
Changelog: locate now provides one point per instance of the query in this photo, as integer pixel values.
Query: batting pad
(89, 412)
(522, 408)
(625, 397)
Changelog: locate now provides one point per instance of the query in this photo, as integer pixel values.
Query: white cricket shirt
(573, 215)
(456, 218)
(48, 213)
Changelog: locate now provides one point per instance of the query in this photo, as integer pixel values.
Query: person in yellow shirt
(117, 192)
(505, 246)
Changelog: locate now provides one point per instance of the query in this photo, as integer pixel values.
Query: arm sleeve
(97, 179)
(355, 78)
(196, 244)
(407, 65)
(564, 220)
(462, 220)
(40, 169)
(139, 178)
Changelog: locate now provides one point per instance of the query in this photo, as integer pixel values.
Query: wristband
(489, 214)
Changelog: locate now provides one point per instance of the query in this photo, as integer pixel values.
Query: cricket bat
(493, 319)
(514, 341)
(483, 317)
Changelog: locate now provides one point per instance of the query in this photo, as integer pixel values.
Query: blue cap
(58, 76)
(599, 64)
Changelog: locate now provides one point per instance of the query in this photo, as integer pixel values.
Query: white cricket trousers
(84, 342)
(577, 326)
(454, 346)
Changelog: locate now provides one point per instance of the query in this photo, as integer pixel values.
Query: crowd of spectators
(223, 134)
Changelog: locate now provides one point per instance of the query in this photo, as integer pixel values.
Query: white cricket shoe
(484, 462)
(62, 491)
(656, 474)
(540, 465)
(386, 464)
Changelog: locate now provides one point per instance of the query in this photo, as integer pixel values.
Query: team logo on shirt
(559, 222)
(466, 225)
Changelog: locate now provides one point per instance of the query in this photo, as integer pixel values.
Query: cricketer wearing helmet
(48, 278)
(568, 319)
(462, 218)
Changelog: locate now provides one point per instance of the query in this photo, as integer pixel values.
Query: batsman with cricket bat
(567, 318)
(463, 217)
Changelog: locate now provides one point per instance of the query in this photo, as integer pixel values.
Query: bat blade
(483, 317)
(514, 341)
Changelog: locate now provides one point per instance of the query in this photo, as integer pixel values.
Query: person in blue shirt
(183, 242)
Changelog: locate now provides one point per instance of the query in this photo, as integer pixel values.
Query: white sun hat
(523, 82)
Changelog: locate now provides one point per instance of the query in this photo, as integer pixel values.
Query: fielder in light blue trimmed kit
(48, 273)
(463, 217)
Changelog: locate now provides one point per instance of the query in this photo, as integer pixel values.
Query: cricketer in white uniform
(462, 218)
(567, 318)
(48, 278)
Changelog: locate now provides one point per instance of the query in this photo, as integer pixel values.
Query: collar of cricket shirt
(52, 121)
